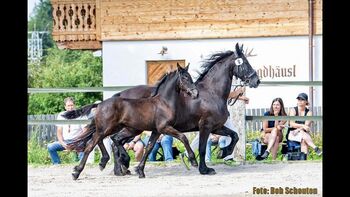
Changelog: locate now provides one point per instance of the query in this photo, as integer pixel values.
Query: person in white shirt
(65, 133)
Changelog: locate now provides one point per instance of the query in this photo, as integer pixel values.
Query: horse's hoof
(75, 168)
(211, 171)
(194, 163)
(208, 171)
(128, 172)
(75, 175)
(140, 172)
(124, 169)
(101, 166)
(118, 173)
(142, 176)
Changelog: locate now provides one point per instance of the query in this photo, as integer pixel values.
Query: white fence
(256, 125)
(47, 133)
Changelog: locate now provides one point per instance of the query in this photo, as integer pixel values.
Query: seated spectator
(299, 131)
(65, 133)
(272, 129)
(137, 146)
(165, 141)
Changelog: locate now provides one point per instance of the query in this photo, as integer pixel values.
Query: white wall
(124, 63)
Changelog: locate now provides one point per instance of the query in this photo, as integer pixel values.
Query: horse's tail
(79, 142)
(85, 110)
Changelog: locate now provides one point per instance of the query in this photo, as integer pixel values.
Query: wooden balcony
(75, 24)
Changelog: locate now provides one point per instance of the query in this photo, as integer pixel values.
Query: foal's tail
(79, 142)
(85, 110)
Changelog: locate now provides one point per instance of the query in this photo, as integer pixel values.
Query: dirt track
(174, 180)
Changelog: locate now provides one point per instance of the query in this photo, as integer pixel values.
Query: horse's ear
(188, 65)
(238, 49)
(179, 68)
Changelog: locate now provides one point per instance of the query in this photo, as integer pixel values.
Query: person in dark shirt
(299, 131)
(272, 129)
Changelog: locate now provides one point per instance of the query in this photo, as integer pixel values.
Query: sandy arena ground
(173, 179)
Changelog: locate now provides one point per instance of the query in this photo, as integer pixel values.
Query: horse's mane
(210, 62)
(160, 82)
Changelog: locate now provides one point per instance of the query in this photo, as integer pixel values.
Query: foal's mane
(160, 82)
(210, 62)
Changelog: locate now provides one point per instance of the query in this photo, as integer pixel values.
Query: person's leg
(224, 141)
(269, 139)
(138, 148)
(194, 144)
(153, 154)
(307, 138)
(274, 148)
(303, 146)
(208, 151)
(53, 148)
(272, 139)
(81, 155)
(167, 145)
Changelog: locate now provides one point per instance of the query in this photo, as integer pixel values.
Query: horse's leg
(234, 136)
(90, 145)
(182, 137)
(105, 157)
(122, 159)
(203, 137)
(117, 154)
(140, 168)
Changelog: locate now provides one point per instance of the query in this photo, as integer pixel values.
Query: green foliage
(63, 68)
(36, 153)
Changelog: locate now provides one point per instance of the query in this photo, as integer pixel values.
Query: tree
(63, 68)
(41, 20)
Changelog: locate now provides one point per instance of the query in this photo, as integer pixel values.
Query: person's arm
(265, 126)
(244, 98)
(236, 93)
(60, 136)
(133, 142)
(295, 125)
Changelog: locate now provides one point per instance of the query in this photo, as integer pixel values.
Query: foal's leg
(234, 136)
(203, 137)
(182, 137)
(105, 157)
(140, 168)
(121, 157)
(90, 145)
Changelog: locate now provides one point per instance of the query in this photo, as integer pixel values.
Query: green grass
(38, 154)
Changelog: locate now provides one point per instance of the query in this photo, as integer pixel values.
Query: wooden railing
(75, 24)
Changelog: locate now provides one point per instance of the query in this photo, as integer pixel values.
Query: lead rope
(229, 102)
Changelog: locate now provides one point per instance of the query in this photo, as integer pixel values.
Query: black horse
(155, 113)
(209, 112)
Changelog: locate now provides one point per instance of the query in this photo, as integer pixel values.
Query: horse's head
(179, 80)
(185, 82)
(243, 70)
